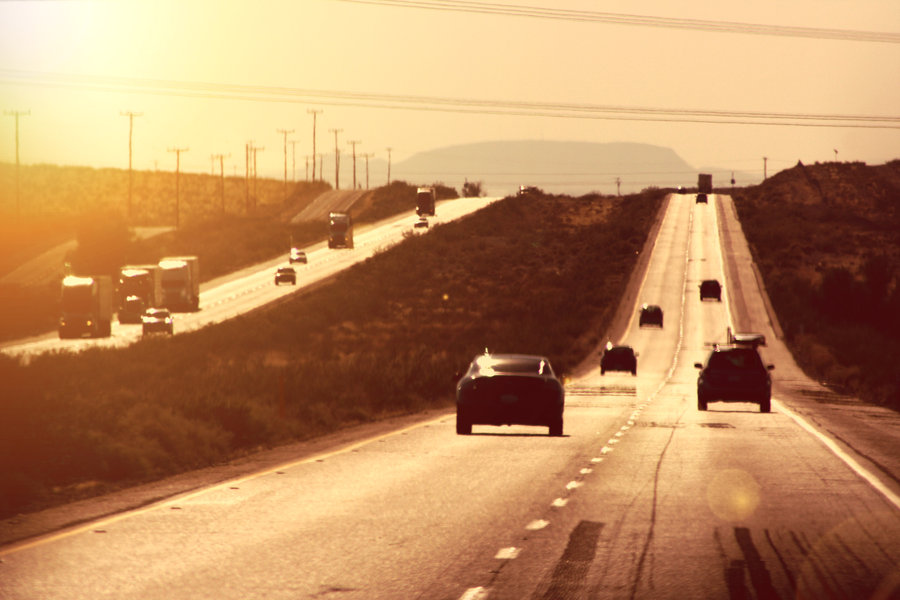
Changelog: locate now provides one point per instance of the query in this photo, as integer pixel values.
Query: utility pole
(284, 190)
(177, 152)
(294, 160)
(131, 116)
(307, 166)
(17, 114)
(247, 176)
(389, 164)
(618, 186)
(765, 158)
(222, 158)
(314, 113)
(254, 150)
(835, 155)
(354, 143)
(367, 156)
(337, 160)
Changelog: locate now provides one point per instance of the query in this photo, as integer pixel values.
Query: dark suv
(618, 358)
(711, 288)
(734, 373)
(651, 314)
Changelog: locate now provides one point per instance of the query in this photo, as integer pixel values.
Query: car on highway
(702, 199)
(157, 320)
(421, 223)
(710, 288)
(509, 389)
(754, 340)
(297, 256)
(618, 358)
(286, 275)
(651, 314)
(526, 190)
(734, 373)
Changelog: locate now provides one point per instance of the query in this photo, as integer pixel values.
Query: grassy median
(538, 275)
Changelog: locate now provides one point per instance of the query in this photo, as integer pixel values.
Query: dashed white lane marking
(507, 553)
(837, 451)
(537, 524)
(596, 460)
(605, 450)
(586, 471)
(572, 485)
(559, 502)
(475, 593)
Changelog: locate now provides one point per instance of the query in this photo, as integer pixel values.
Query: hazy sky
(213, 75)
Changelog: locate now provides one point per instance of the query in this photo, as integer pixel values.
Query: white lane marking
(508, 553)
(572, 485)
(586, 471)
(475, 593)
(559, 502)
(596, 460)
(857, 468)
(537, 524)
(613, 441)
(605, 450)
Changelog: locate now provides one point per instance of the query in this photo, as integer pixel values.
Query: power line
(257, 93)
(582, 16)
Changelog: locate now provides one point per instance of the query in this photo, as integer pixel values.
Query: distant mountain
(573, 168)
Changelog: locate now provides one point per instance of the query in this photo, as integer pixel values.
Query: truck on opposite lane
(180, 283)
(86, 306)
(140, 288)
(340, 230)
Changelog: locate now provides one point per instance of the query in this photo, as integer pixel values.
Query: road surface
(643, 497)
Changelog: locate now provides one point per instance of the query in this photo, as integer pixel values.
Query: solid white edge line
(857, 468)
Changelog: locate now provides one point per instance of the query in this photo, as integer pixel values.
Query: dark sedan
(734, 373)
(711, 288)
(618, 358)
(509, 389)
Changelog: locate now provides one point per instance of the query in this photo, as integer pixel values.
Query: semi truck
(340, 230)
(704, 183)
(140, 288)
(425, 199)
(180, 277)
(86, 306)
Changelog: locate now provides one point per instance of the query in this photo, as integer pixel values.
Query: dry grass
(541, 275)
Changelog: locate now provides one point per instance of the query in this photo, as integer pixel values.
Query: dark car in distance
(509, 389)
(297, 256)
(711, 288)
(618, 358)
(734, 373)
(286, 275)
(702, 199)
(651, 314)
(157, 320)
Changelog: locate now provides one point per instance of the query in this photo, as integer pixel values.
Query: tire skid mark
(572, 568)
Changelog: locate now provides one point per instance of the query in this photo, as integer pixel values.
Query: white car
(157, 320)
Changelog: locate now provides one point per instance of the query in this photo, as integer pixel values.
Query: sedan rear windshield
(735, 359)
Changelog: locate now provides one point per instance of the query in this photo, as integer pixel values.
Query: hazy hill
(573, 168)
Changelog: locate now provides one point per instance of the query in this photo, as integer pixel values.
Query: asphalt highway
(253, 287)
(643, 497)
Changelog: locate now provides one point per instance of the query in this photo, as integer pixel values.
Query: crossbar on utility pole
(314, 113)
(177, 152)
(16, 114)
(337, 159)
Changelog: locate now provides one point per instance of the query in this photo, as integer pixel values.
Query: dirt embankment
(826, 238)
